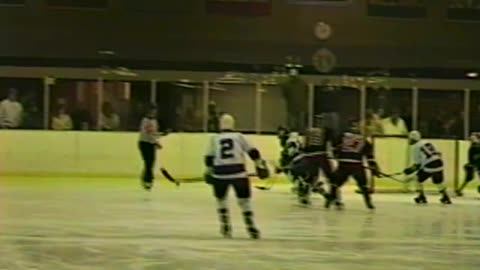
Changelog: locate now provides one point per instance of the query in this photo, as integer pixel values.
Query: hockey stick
(389, 176)
(168, 176)
(270, 182)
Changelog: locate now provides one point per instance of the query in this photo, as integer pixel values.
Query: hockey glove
(412, 169)
(209, 177)
(262, 169)
(373, 166)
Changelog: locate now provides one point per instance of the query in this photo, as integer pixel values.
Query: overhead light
(472, 74)
(106, 52)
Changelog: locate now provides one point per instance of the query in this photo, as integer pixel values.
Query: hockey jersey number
(352, 143)
(226, 148)
(429, 150)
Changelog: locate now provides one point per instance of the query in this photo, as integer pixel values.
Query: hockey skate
(225, 227)
(147, 185)
(329, 199)
(226, 231)
(304, 194)
(253, 232)
(445, 199)
(339, 205)
(369, 204)
(366, 197)
(421, 199)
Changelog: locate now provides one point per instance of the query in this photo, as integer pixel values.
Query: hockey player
(350, 152)
(313, 158)
(225, 161)
(291, 149)
(427, 164)
(473, 164)
(283, 133)
(148, 144)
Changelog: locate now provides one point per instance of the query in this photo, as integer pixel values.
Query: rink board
(116, 155)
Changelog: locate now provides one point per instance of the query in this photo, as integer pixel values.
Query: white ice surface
(87, 226)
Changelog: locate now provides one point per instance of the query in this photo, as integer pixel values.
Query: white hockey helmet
(227, 122)
(294, 136)
(414, 136)
(475, 137)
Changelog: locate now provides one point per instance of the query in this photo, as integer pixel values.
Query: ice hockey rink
(58, 223)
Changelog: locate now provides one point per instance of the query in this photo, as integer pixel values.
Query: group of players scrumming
(226, 167)
(350, 149)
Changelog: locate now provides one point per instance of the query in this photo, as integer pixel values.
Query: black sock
(248, 218)
(223, 216)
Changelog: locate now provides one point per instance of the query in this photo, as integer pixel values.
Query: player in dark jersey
(351, 151)
(313, 158)
(473, 164)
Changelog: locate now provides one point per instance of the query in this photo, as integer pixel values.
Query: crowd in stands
(473, 4)
(15, 113)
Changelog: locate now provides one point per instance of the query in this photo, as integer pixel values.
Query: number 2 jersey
(426, 157)
(353, 148)
(226, 155)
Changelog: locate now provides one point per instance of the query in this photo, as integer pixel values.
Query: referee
(148, 145)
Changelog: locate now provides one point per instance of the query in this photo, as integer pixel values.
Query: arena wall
(95, 154)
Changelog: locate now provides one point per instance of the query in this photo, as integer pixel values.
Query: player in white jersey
(225, 161)
(148, 145)
(292, 148)
(427, 164)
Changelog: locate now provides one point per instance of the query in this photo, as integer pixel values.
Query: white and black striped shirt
(149, 130)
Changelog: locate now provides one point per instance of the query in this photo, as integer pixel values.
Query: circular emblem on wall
(322, 31)
(324, 60)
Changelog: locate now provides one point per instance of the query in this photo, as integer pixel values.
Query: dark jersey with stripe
(316, 140)
(353, 148)
(474, 155)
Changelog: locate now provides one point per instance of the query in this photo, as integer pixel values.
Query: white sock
(222, 203)
(245, 205)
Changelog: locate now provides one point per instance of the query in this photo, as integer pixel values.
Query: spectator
(475, 118)
(213, 117)
(33, 117)
(394, 125)
(436, 124)
(373, 124)
(123, 111)
(295, 91)
(109, 120)
(82, 119)
(453, 125)
(11, 111)
(61, 120)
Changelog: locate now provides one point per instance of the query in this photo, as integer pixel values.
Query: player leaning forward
(225, 161)
(351, 151)
(427, 164)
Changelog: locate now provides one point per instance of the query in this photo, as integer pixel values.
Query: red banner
(239, 7)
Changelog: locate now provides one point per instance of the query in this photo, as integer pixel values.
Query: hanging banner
(239, 7)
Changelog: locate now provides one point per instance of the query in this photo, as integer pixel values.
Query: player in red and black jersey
(314, 157)
(351, 151)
